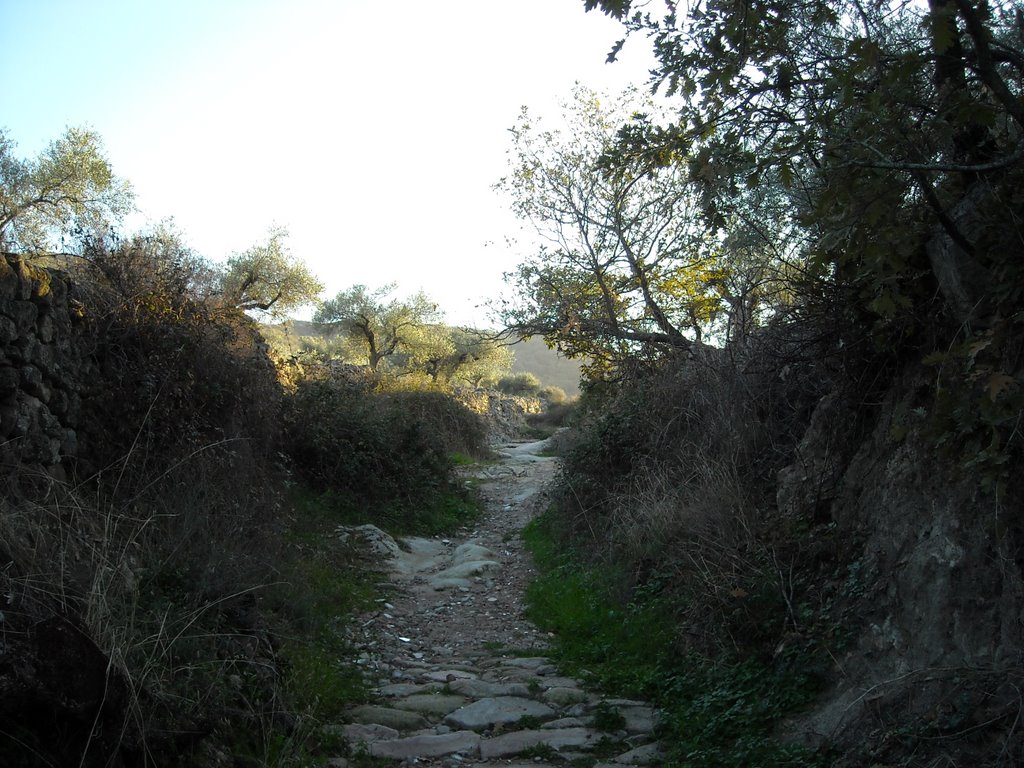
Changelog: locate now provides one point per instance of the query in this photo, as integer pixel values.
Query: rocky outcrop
(934, 581)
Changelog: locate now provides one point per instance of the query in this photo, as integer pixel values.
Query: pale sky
(372, 131)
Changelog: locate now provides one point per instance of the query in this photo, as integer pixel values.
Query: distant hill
(551, 368)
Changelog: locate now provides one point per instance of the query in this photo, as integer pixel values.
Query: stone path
(463, 679)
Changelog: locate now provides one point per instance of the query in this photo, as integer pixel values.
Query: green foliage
(523, 384)
(172, 362)
(69, 187)
(380, 327)
(267, 278)
(632, 270)
(607, 718)
(715, 713)
(384, 453)
(979, 401)
(890, 136)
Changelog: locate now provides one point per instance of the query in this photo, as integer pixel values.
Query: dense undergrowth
(179, 595)
(714, 712)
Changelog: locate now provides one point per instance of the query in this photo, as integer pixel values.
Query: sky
(373, 131)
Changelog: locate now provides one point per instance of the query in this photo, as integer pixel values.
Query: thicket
(385, 458)
(854, 170)
(166, 601)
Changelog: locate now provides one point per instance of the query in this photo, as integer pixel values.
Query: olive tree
(69, 186)
(377, 324)
(268, 278)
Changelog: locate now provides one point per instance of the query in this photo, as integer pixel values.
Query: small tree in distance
(268, 278)
(378, 325)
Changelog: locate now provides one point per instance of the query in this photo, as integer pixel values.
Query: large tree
(378, 324)
(268, 278)
(69, 187)
(896, 127)
(626, 264)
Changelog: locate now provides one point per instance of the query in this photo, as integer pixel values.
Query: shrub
(385, 456)
(522, 384)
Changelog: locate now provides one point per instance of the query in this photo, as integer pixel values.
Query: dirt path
(463, 677)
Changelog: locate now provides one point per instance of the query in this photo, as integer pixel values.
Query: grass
(714, 712)
(444, 512)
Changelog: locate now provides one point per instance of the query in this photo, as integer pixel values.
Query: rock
(377, 540)
(467, 569)
(564, 696)
(469, 551)
(530, 662)
(449, 675)
(480, 689)
(400, 719)
(437, 745)
(648, 754)
(565, 722)
(639, 719)
(486, 713)
(418, 555)
(517, 741)
(365, 733)
(441, 584)
(394, 690)
(431, 704)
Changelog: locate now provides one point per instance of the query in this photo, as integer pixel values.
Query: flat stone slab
(441, 584)
(499, 710)
(448, 675)
(481, 689)
(418, 555)
(639, 719)
(466, 570)
(517, 741)
(360, 733)
(431, 703)
(469, 551)
(406, 689)
(399, 719)
(525, 662)
(564, 696)
(565, 722)
(648, 754)
(438, 745)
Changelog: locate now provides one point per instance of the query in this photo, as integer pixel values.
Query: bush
(522, 384)
(383, 456)
(135, 584)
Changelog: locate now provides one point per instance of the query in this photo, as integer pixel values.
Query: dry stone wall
(45, 368)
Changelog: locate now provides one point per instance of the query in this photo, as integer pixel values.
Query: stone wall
(45, 368)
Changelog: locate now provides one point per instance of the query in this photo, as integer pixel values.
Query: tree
(69, 186)
(266, 277)
(378, 325)
(896, 128)
(628, 265)
(468, 357)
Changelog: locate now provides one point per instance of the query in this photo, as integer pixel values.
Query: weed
(540, 752)
(607, 718)
(528, 723)
(713, 713)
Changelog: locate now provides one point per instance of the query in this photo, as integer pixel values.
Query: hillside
(534, 356)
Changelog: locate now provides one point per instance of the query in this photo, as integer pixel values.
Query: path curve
(463, 676)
